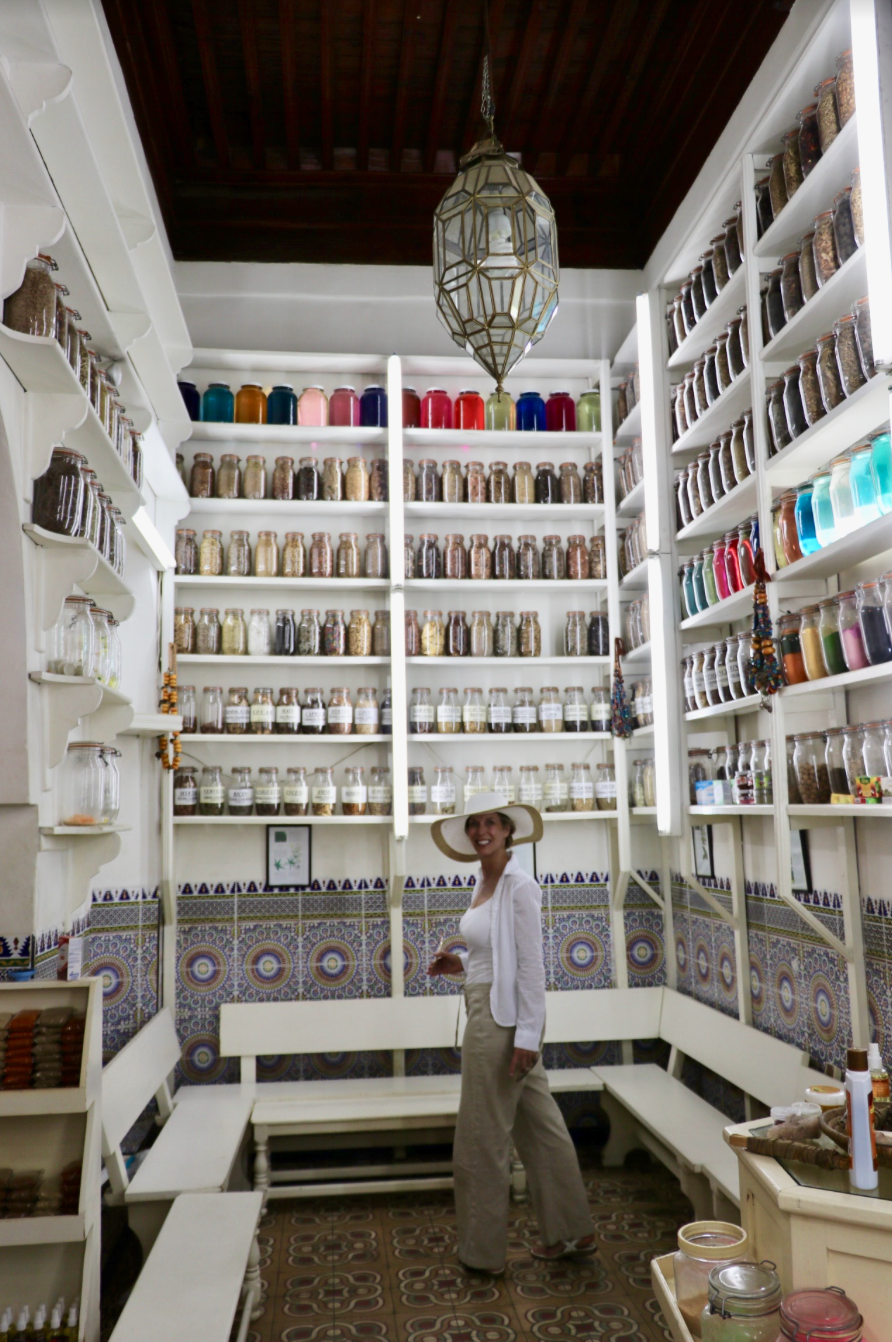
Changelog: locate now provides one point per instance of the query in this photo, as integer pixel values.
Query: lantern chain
(487, 103)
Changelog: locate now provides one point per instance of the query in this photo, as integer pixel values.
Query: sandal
(566, 1248)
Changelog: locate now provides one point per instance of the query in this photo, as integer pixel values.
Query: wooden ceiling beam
(289, 82)
(252, 79)
(325, 78)
(473, 120)
(159, 19)
(606, 44)
(554, 76)
(631, 87)
(518, 87)
(365, 84)
(408, 44)
(441, 87)
(211, 80)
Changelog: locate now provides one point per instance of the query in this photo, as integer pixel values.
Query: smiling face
(487, 833)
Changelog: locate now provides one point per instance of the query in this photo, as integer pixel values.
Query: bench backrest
(130, 1080)
(762, 1066)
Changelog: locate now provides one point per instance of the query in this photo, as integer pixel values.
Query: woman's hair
(506, 821)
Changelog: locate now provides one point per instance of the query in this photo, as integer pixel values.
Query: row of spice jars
(731, 775)
(455, 637)
(284, 636)
(719, 674)
(294, 559)
(628, 395)
(554, 793)
(853, 491)
(85, 642)
(833, 763)
(506, 559)
(699, 291)
(235, 712)
(834, 237)
(69, 501)
(817, 127)
(630, 468)
(841, 633)
(271, 796)
(454, 482)
(822, 378)
(712, 375)
(38, 308)
(637, 622)
(312, 409)
(726, 463)
(632, 545)
(475, 715)
(353, 481)
(723, 568)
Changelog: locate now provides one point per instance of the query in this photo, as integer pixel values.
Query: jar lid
(819, 1314)
(373, 386)
(744, 1290)
(284, 386)
(353, 389)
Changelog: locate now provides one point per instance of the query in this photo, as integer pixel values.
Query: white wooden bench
(646, 1105)
(203, 1135)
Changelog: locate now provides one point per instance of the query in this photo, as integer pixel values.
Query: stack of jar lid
(293, 560)
(505, 559)
(731, 775)
(706, 281)
(37, 308)
(711, 376)
(455, 637)
(356, 482)
(723, 568)
(841, 764)
(727, 462)
(852, 492)
(235, 712)
(474, 716)
(841, 633)
(817, 127)
(69, 501)
(554, 793)
(360, 794)
(822, 378)
(288, 635)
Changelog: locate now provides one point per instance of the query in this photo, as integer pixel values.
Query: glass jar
(408, 481)
(571, 485)
(850, 632)
(529, 792)
(871, 617)
(458, 635)
(790, 648)
(819, 1313)
(240, 793)
(229, 476)
(475, 483)
(237, 711)
(433, 634)
(575, 634)
(381, 634)
(824, 248)
(211, 791)
(31, 309)
(526, 563)
(417, 789)
(530, 634)
(74, 647)
(842, 499)
(323, 792)
(480, 558)
(582, 789)
(592, 482)
(548, 489)
(287, 720)
(448, 712)
(881, 469)
(295, 792)
(309, 486)
(857, 205)
(185, 790)
(847, 356)
(266, 555)
(500, 413)
(356, 481)
(254, 482)
(259, 633)
(212, 710)
(348, 561)
(790, 287)
(234, 633)
(184, 628)
(379, 480)
(429, 562)
(551, 713)
(443, 791)
(743, 1304)
(359, 634)
(250, 404)
(309, 634)
(268, 792)
(861, 483)
(777, 417)
(313, 715)
(428, 485)
(523, 484)
(294, 554)
(413, 634)
(281, 405)
(498, 486)
(864, 336)
(844, 225)
(553, 559)
(827, 114)
(829, 381)
(452, 482)
(810, 767)
(58, 494)
(809, 138)
(421, 712)
(201, 479)
(808, 275)
(262, 718)
(312, 408)
(810, 641)
(605, 788)
(503, 566)
(702, 1246)
(321, 557)
(354, 793)
(524, 717)
(796, 421)
(380, 792)
(238, 555)
(283, 479)
(556, 792)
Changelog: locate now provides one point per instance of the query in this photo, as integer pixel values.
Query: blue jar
(281, 405)
(373, 408)
(218, 404)
(530, 412)
(191, 399)
(864, 494)
(754, 534)
(805, 521)
(687, 591)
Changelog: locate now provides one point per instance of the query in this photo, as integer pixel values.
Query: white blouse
(517, 996)
(476, 929)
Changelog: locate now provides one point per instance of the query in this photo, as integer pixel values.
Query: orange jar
(250, 404)
(787, 526)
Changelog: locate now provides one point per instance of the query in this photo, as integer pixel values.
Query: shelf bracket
(57, 572)
(815, 923)
(66, 704)
(87, 855)
(710, 898)
(50, 416)
(648, 889)
(37, 85)
(27, 230)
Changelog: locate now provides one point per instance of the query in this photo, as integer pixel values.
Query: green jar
(712, 595)
(588, 412)
(500, 413)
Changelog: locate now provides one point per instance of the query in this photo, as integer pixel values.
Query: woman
(504, 1087)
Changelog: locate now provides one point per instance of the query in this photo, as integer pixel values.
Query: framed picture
(799, 863)
(289, 850)
(701, 838)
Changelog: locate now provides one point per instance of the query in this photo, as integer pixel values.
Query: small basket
(833, 1125)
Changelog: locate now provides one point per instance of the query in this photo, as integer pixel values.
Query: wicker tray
(833, 1125)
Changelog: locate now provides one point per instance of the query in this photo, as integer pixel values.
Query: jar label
(263, 713)
(606, 788)
(709, 678)
(556, 792)
(531, 793)
(267, 794)
(576, 713)
(473, 713)
(443, 792)
(421, 713)
(313, 717)
(472, 789)
(359, 793)
(237, 715)
(600, 712)
(448, 713)
(212, 794)
(524, 713)
(326, 793)
(379, 793)
(241, 796)
(721, 674)
(295, 794)
(417, 792)
(499, 713)
(583, 790)
(505, 791)
(366, 715)
(340, 713)
(699, 682)
(387, 716)
(550, 712)
(287, 715)
(185, 796)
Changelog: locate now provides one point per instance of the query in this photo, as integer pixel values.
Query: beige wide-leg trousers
(493, 1112)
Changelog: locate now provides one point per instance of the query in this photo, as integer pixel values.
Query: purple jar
(530, 412)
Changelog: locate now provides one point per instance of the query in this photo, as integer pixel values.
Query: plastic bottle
(859, 1121)
(56, 1332)
(879, 1077)
(72, 1331)
(38, 1330)
(20, 1332)
(5, 1325)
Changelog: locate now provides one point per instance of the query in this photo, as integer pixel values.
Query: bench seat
(191, 1282)
(196, 1148)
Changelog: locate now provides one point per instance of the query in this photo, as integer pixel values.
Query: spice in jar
(348, 561)
(212, 710)
(313, 715)
(605, 787)
(832, 393)
(334, 634)
(827, 116)
(498, 712)
(824, 248)
(308, 484)
(577, 558)
(323, 791)
(503, 558)
(185, 791)
(266, 555)
(857, 206)
(207, 632)
(427, 485)
(186, 551)
(356, 483)
(354, 793)
(417, 789)
(556, 793)
(455, 557)
(592, 482)
(408, 481)
(808, 275)
(359, 634)
(433, 634)
(229, 476)
(429, 561)
(526, 562)
(530, 637)
(453, 485)
(548, 489)
(443, 791)
(553, 562)
(847, 358)
(321, 558)
(498, 486)
(294, 555)
(184, 629)
(844, 226)
(259, 634)
(505, 634)
(254, 483)
(31, 309)
(809, 139)
(551, 712)
(475, 484)
(332, 479)
(582, 789)
(458, 635)
(339, 715)
(309, 634)
(240, 795)
(283, 479)
(473, 713)
(482, 635)
(238, 556)
(295, 793)
(421, 712)
(211, 792)
(576, 718)
(480, 558)
(380, 792)
(379, 484)
(268, 792)
(523, 485)
(413, 634)
(381, 634)
(597, 559)
(234, 634)
(237, 712)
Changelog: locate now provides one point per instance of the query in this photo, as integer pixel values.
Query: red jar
(814, 1313)
(719, 571)
(560, 413)
(411, 409)
(732, 562)
(343, 408)
(436, 409)
(470, 410)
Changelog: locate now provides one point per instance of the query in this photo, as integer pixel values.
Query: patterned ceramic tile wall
(704, 947)
(121, 946)
(877, 921)
(645, 943)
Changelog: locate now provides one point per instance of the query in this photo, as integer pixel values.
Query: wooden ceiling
(328, 130)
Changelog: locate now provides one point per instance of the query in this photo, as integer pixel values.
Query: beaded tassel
(169, 705)
(621, 715)
(767, 675)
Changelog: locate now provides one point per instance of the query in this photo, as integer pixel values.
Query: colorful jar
(281, 405)
(530, 412)
(469, 412)
(250, 404)
(436, 409)
(850, 632)
(343, 408)
(805, 522)
(819, 1315)
(500, 412)
(312, 408)
(373, 408)
(411, 408)
(218, 404)
(560, 413)
(822, 509)
(861, 483)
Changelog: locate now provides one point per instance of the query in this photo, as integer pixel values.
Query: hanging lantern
(495, 255)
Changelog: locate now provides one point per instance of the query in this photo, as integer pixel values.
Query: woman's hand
(444, 962)
(522, 1062)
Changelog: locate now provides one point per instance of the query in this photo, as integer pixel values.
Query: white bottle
(859, 1121)
(72, 1323)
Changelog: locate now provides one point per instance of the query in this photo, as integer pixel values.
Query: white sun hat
(448, 833)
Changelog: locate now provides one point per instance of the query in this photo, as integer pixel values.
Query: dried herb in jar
(809, 139)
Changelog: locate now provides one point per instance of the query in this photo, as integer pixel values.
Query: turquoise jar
(218, 404)
(281, 405)
(864, 493)
(881, 470)
(805, 522)
(822, 510)
(689, 601)
(699, 585)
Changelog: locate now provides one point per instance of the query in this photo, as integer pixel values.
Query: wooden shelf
(739, 606)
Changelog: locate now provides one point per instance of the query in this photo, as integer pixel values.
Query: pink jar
(436, 409)
(560, 413)
(312, 408)
(343, 408)
(470, 410)
(411, 408)
(812, 1314)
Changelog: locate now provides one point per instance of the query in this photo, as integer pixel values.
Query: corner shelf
(852, 419)
(490, 513)
(67, 561)
(630, 427)
(632, 503)
(863, 543)
(642, 653)
(73, 698)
